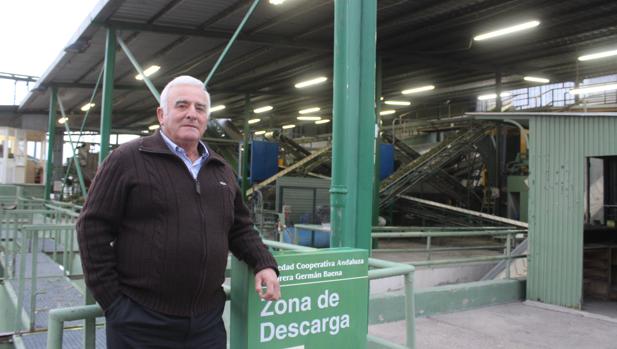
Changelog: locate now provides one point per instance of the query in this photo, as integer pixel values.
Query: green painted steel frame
(51, 128)
(353, 143)
(108, 91)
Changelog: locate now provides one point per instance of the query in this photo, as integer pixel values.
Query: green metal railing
(509, 235)
(381, 269)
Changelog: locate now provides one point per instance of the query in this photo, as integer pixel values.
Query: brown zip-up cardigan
(150, 231)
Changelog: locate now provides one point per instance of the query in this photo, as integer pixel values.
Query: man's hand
(267, 277)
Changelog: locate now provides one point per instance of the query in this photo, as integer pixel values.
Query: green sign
(324, 302)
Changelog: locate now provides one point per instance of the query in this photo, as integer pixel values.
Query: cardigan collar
(156, 144)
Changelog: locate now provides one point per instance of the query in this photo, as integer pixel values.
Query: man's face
(186, 118)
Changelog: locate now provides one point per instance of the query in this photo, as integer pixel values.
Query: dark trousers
(130, 325)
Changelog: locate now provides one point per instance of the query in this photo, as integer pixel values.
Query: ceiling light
(269, 134)
(309, 118)
(263, 109)
(149, 71)
(277, 2)
(598, 55)
(324, 121)
(309, 110)
(145, 131)
(392, 102)
(217, 108)
(507, 30)
(257, 133)
(154, 127)
(254, 121)
(311, 82)
(592, 89)
(493, 96)
(87, 106)
(387, 112)
(62, 120)
(536, 79)
(418, 89)
(286, 127)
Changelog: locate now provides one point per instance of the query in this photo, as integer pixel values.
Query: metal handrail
(384, 269)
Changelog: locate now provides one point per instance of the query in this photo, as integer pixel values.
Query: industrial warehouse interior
(469, 147)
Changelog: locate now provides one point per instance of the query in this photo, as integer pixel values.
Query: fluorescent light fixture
(493, 96)
(254, 121)
(269, 134)
(154, 127)
(145, 131)
(507, 30)
(592, 89)
(262, 132)
(536, 79)
(387, 112)
(277, 2)
(217, 108)
(87, 106)
(286, 127)
(62, 120)
(392, 102)
(598, 55)
(324, 121)
(309, 110)
(308, 118)
(311, 82)
(149, 71)
(418, 89)
(263, 109)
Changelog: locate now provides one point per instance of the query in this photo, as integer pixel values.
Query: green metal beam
(245, 147)
(139, 69)
(353, 123)
(231, 41)
(108, 91)
(51, 129)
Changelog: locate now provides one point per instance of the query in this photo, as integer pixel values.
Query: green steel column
(353, 123)
(51, 129)
(108, 91)
(377, 180)
(245, 147)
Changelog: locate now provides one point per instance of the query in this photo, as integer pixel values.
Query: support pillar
(245, 150)
(498, 88)
(51, 130)
(108, 91)
(353, 145)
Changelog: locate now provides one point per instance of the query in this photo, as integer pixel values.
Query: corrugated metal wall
(558, 148)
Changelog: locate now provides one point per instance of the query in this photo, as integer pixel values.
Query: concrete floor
(509, 326)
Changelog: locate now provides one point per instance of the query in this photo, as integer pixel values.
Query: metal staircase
(431, 163)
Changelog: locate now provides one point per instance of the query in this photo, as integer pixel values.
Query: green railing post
(508, 255)
(23, 248)
(353, 145)
(51, 129)
(108, 91)
(34, 236)
(410, 311)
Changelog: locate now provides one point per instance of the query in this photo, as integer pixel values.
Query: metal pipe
(422, 234)
(508, 255)
(231, 41)
(463, 260)
(137, 66)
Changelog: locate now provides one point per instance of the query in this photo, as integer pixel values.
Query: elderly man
(161, 215)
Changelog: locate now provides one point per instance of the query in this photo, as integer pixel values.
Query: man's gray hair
(183, 80)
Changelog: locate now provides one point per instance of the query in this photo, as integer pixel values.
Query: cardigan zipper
(202, 216)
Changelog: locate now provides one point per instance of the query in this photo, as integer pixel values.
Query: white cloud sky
(32, 35)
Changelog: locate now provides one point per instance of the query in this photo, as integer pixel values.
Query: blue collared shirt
(193, 167)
